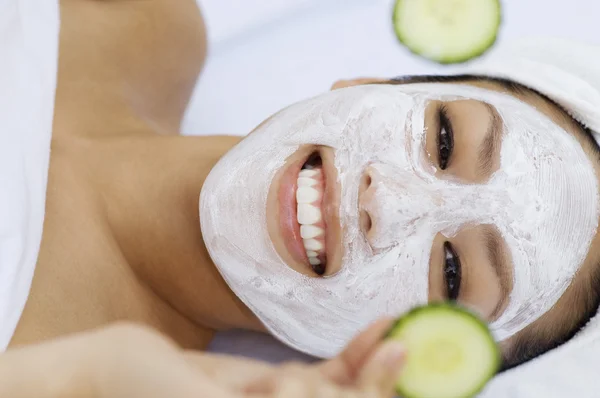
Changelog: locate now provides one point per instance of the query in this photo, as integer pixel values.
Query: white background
(267, 54)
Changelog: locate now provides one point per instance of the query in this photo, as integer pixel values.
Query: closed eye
(452, 272)
(445, 138)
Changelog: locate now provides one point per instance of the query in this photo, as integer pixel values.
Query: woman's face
(367, 201)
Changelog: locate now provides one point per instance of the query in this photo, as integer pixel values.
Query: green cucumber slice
(447, 31)
(450, 352)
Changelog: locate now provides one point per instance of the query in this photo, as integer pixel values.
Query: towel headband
(566, 72)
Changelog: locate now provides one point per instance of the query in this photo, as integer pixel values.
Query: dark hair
(507, 84)
(584, 294)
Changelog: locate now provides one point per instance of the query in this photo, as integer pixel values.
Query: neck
(156, 190)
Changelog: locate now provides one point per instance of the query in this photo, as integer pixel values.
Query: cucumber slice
(450, 352)
(447, 31)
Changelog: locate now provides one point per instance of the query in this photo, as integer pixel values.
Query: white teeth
(308, 173)
(314, 261)
(308, 214)
(307, 195)
(312, 244)
(306, 182)
(310, 231)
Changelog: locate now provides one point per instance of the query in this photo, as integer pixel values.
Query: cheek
(482, 292)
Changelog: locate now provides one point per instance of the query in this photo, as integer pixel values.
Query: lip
(282, 221)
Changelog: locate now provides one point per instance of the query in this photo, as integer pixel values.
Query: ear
(356, 82)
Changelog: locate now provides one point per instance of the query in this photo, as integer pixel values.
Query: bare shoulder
(124, 59)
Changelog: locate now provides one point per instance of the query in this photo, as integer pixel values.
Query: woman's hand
(133, 361)
(366, 368)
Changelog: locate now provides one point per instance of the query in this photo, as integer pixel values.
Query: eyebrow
(493, 245)
(491, 142)
(493, 137)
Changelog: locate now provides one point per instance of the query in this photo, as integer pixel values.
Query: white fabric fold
(28, 66)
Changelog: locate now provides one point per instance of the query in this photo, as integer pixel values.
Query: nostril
(365, 222)
(365, 197)
(365, 182)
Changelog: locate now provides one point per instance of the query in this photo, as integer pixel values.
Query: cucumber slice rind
(470, 319)
(445, 56)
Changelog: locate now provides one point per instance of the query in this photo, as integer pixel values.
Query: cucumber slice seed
(451, 353)
(447, 31)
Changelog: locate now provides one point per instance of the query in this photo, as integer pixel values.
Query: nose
(391, 203)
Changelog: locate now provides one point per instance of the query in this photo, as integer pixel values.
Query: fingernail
(391, 354)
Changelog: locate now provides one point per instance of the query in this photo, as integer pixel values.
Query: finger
(310, 385)
(324, 389)
(292, 387)
(189, 383)
(345, 368)
(234, 372)
(289, 381)
(382, 369)
(272, 382)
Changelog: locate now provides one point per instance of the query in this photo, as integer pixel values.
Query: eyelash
(452, 272)
(445, 138)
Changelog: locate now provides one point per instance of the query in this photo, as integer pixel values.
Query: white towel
(28, 65)
(568, 72)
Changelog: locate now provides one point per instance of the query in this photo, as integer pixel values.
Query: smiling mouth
(307, 210)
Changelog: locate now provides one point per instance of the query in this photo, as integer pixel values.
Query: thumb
(381, 371)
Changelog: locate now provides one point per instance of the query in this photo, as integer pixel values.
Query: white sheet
(569, 371)
(28, 64)
(266, 54)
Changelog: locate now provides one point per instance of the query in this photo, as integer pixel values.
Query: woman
(337, 211)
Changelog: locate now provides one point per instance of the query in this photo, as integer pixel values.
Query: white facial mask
(542, 200)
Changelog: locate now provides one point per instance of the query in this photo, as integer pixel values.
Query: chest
(81, 279)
